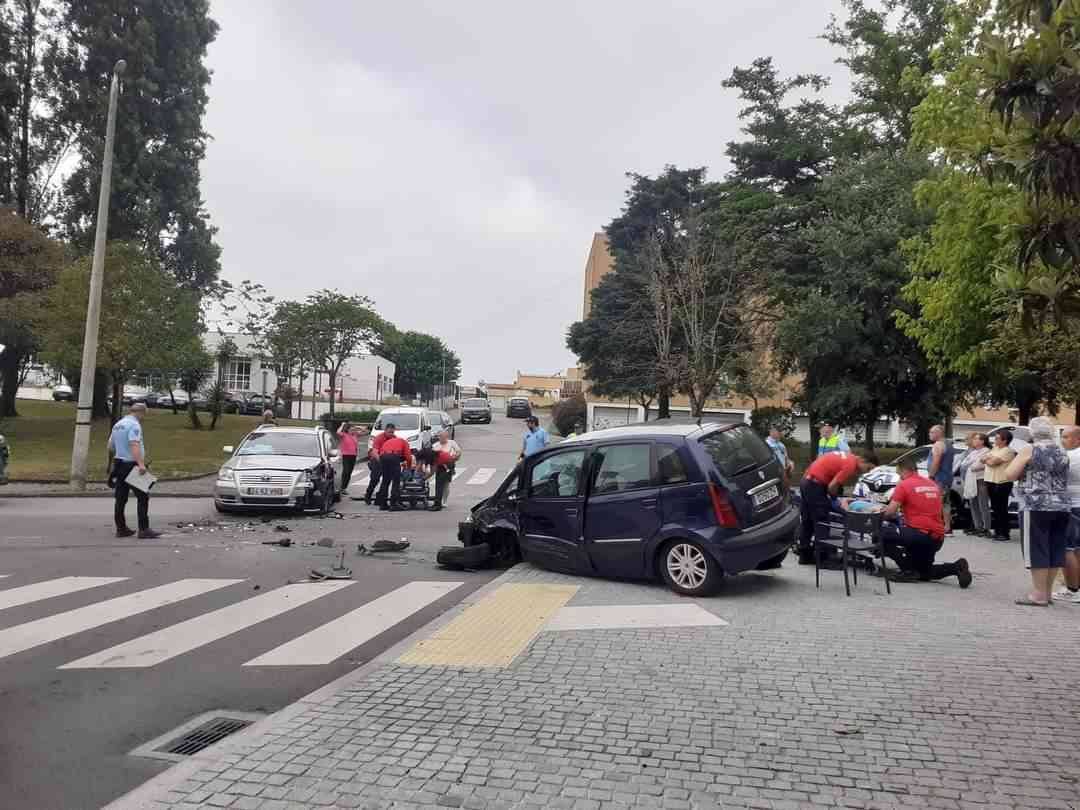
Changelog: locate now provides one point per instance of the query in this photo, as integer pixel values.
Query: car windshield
(475, 403)
(280, 444)
(736, 450)
(400, 420)
(436, 420)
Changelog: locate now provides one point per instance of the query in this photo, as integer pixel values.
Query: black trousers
(375, 475)
(999, 507)
(443, 477)
(816, 507)
(914, 551)
(391, 481)
(120, 472)
(347, 464)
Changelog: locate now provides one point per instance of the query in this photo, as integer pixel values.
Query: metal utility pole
(80, 450)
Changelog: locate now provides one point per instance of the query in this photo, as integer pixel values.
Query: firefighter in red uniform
(824, 480)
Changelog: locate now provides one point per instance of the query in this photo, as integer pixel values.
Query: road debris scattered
(284, 542)
(339, 571)
(383, 545)
(326, 542)
(281, 527)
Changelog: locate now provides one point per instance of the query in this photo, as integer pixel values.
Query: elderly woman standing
(975, 491)
(1043, 470)
(998, 486)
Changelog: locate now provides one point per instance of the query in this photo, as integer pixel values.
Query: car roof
(646, 430)
(287, 429)
(401, 409)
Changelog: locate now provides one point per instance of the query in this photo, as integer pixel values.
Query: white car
(411, 424)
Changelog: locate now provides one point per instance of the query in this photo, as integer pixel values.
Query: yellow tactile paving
(494, 631)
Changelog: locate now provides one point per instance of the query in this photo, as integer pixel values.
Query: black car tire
(772, 562)
(701, 574)
(461, 557)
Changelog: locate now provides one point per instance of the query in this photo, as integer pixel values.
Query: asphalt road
(82, 681)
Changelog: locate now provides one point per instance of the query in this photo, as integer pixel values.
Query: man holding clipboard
(129, 473)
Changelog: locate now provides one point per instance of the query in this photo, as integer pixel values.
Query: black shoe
(434, 508)
(125, 532)
(148, 534)
(384, 508)
(964, 574)
(1002, 538)
(396, 508)
(806, 556)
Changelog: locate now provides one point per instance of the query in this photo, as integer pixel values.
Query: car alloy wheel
(688, 569)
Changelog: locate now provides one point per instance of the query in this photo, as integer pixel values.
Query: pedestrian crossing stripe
(177, 639)
(25, 594)
(26, 636)
(482, 476)
(457, 472)
(333, 639)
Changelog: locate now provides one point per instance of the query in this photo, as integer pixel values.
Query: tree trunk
(663, 398)
(1027, 408)
(870, 444)
(9, 382)
(814, 434)
(193, 415)
(333, 390)
(100, 406)
(22, 190)
(117, 400)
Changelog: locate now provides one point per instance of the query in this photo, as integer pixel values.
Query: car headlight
(307, 477)
(225, 474)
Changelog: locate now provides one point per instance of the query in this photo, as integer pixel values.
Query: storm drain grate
(203, 736)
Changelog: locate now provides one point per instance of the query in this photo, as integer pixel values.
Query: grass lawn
(40, 441)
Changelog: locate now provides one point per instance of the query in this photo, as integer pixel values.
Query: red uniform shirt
(395, 446)
(920, 499)
(838, 468)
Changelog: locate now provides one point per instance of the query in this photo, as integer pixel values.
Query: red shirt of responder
(920, 499)
(393, 446)
(377, 443)
(833, 470)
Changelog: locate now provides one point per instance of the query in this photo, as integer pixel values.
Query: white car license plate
(766, 495)
(269, 492)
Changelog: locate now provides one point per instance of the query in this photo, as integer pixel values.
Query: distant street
(83, 681)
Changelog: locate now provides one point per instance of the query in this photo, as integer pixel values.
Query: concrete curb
(105, 494)
(143, 797)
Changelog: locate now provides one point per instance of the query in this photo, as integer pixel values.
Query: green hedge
(367, 417)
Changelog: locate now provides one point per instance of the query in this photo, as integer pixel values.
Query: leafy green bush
(569, 414)
(762, 419)
(367, 417)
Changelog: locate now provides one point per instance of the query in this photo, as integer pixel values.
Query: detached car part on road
(280, 468)
(684, 503)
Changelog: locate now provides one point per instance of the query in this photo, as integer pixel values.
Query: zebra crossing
(314, 646)
(481, 476)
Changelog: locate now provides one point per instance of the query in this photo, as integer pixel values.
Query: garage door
(607, 416)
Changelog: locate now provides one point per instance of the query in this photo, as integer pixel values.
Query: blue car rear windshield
(736, 450)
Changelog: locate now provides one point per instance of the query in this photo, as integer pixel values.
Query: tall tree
(30, 263)
(160, 140)
(421, 361)
(139, 302)
(341, 326)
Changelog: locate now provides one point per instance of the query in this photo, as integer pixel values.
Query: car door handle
(649, 503)
(571, 512)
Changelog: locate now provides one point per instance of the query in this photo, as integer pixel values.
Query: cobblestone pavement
(934, 697)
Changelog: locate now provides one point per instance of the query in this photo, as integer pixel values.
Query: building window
(238, 374)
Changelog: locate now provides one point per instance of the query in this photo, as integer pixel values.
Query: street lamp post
(80, 450)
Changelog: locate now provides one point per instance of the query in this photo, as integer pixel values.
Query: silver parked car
(280, 468)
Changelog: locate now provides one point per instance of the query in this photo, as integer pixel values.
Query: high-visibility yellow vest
(829, 445)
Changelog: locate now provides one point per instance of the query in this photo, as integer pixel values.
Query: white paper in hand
(140, 481)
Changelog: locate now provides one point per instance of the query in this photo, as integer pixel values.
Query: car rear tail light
(725, 512)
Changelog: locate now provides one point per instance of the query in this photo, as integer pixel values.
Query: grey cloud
(452, 160)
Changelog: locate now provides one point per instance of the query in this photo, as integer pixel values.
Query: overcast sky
(453, 160)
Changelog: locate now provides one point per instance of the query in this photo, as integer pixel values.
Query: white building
(369, 378)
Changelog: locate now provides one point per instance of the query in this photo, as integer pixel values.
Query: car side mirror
(512, 495)
(227, 448)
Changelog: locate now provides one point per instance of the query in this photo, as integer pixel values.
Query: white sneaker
(1065, 595)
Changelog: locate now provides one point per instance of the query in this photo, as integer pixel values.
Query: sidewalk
(933, 697)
